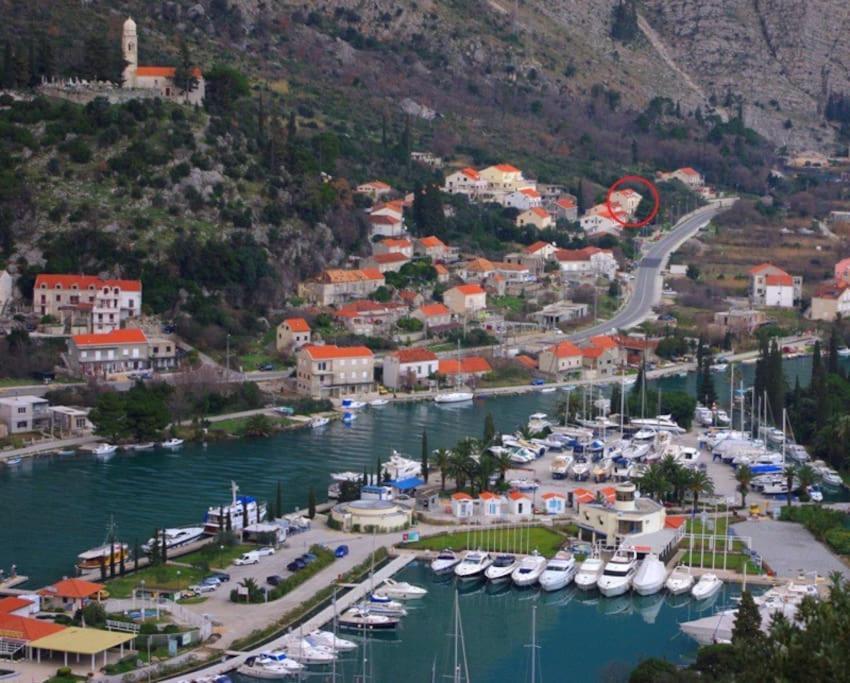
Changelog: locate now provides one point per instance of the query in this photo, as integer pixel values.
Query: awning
(84, 641)
(407, 484)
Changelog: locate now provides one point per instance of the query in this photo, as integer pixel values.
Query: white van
(252, 557)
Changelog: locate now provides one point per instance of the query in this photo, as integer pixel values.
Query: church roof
(163, 71)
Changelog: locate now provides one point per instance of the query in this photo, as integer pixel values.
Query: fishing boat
(559, 572)
(502, 568)
(473, 565)
(357, 619)
(445, 562)
(680, 580)
(650, 575)
(529, 570)
(174, 538)
(172, 443)
(707, 586)
(617, 576)
(378, 402)
(401, 590)
(317, 422)
(560, 466)
(240, 512)
(589, 572)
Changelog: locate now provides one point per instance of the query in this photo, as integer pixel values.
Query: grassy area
(236, 425)
(734, 562)
(197, 600)
(545, 540)
(695, 526)
(212, 555)
(508, 303)
(167, 577)
(508, 375)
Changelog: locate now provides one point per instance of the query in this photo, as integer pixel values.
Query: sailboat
(455, 396)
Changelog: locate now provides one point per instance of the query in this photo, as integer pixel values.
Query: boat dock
(8, 585)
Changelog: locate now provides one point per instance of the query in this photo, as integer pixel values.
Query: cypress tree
(229, 527)
(121, 568)
(832, 359)
(311, 503)
(816, 383)
(112, 559)
(365, 476)
(489, 429)
(616, 397)
(425, 468)
(637, 387)
(102, 568)
(136, 552)
(244, 515)
(747, 629)
(164, 547)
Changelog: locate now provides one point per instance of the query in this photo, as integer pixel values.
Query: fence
(178, 612)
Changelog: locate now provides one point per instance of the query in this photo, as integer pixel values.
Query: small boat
(377, 402)
(650, 575)
(815, 494)
(617, 576)
(172, 443)
(529, 570)
(548, 390)
(559, 572)
(680, 580)
(401, 590)
(473, 565)
(524, 484)
(329, 640)
(707, 586)
(589, 572)
(352, 404)
(147, 446)
(347, 476)
(317, 422)
(357, 619)
(580, 470)
(718, 367)
(17, 460)
(174, 538)
(454, 397)
(66, 451)
(303, 652)
(843, 351)
(104, 449)
(830, 477)
(502, 568)
(445, 562)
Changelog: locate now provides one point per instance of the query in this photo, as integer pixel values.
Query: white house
(523, 199)
(772, 286)
(591, 261)
(519, 505)
(491, 506)
(394, 246)
(465, 181)
(408, 367)
(554, 503)
(628, 199)
(374, 189)
(463, 505)
(465, 299)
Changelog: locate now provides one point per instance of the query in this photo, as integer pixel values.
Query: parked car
(203, 588)
(265, 551)
(268, 367)
(224, 577)
(274, 579)
(252, 557)
(341, 551)
(537, 381)
(211, 581)
(285, 410)
(308, 557)
(296, 565)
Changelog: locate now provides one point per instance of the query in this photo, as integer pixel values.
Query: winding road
(646, 287)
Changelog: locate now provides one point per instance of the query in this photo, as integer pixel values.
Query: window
(22, 411)
(21, 425)
(83, 354)
(58, 297)
(135, 353)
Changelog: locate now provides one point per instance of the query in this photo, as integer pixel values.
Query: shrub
(78, 151)
(838, 538)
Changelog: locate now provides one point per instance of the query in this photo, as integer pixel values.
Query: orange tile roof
(755, 270)
(530, 192)
(332, 351)
(566, 349)
(383, 220)
(76, 589)
(163, 71)
(479, 265)
(583, 496)
(12, 603)
(366, 306)
(517, 495)
(377, 184)
(552, 494)
(22, 628)
(512, 267)
(507, 168)
(469, 290)
(460, 495)
(487, 495)
(539, 211)
(674, 521)
(781, 280)
(604, 341)
(297, 324)
(434, 310)
(414, 355)
(51, 281)
(566, 203)
(128, 336)
(578, 254)
(627, 192)
(526, 361)
(403, 244)
(470, 172)
(338, 275)
(537, 246)
(687, 170)
(441, 269)
(391, 257)
(466, 366)
(431, 242)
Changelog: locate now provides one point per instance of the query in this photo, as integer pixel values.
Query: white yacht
(560, 466)
(650, 575)
(707, 586)
(317, 422)
(303, 652)
(680, 580)
(240, 510)
(445, 562)
(664, 423)
(104, 449)
(378, 605)
(174, 538)
(529, 570)
(172, 443)
(329, 640)
(357, 619)
(589, 572)
(580, 469)
(502, 568)
(473, 565)
(399, 467)
(559, 572)
(400, 590)
(275, 664)
(347, 476)
(617, 576)
(454, 397)
(378, 402)
(352, 404)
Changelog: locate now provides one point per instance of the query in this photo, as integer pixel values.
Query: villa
(332, 371)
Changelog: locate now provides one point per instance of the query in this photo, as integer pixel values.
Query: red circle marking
(642, 181)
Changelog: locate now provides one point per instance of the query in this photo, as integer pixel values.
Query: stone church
(160, 79)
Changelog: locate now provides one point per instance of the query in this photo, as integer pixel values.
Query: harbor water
(54, 507)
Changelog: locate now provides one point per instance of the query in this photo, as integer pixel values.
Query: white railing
(179, 612)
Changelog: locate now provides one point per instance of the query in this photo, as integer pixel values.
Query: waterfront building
(740, 320)
(332, 371)
(87, 302)
(71, 594)
(520, 505)
(102, 355)
(22, 414)
(365, 515)
(561, 360)
(292, 333)
(601, 356)
(618, 521)
(464, 369)
(67, 421)
(409, 367)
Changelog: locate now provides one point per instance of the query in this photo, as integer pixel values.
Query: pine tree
(489, 429)
(405, 142)
(746, 632)
(184, 72)
(832, 358)
(424, 463)
(816, 382)
(311, 503)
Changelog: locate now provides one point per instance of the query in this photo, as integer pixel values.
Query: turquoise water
(53, 508)
(582, 637)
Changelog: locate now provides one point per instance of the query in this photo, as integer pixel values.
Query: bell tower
(130, 51)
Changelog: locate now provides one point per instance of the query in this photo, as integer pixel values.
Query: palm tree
(806, 476)
(441, 460)
(487, 465)
(699, 483)
(503, 464)
(744, 476)
(680, 478)
(790, 473)
(654, 483)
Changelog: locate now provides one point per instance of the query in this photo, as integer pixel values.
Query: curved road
(646, 287)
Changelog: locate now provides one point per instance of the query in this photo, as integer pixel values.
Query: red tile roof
(332, 351)
(431, 242)
(517, 495)
(441, 269)
(128, 336)
(470, 173)
(552, 494)
(76, 589)
(397, 243)
(782, 280)
(471, 365)
(687, 170)
(530, 192)
(566, 349)
(22, 628)
(674, 521)
(377, 184)
(391, 257)
(469, 290)
(415, 355)
(51, 281)
(297, 324)
(383, 220)
(537, 246)
(507, 168)
(566, 203)
(755, 270)
(460, 495)
(604, 341)
(539, 211)
(13, 603)
(434, 310)
(163, 71)
(526, 361)
(578, 254)
(487, 495)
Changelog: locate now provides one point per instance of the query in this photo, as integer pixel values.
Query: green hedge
(830, 526)
(324, 558)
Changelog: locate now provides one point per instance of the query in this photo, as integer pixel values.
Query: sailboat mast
(533, 643)
(742, 403)
(732, 395)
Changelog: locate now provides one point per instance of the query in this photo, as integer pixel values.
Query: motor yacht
(304, 652)
(664, 423)
(275, 664)
(529, 570)
(174, 538)
(378, 402)
(603, 470)
(445, 562)
(815, 494)
(240, 511)
(329, 640)
(680, 580)
(650, 575)
(589, 572)
(172, 443)
(617, 576)
(454, 397)
(473, 565)
(105, 555)
(707, 586)
(358, 619)
(378, 605)
(559, 572)
(401, 590)
(502, 567)
(104, 450)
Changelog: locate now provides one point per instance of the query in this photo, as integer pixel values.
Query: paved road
(646, 287)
